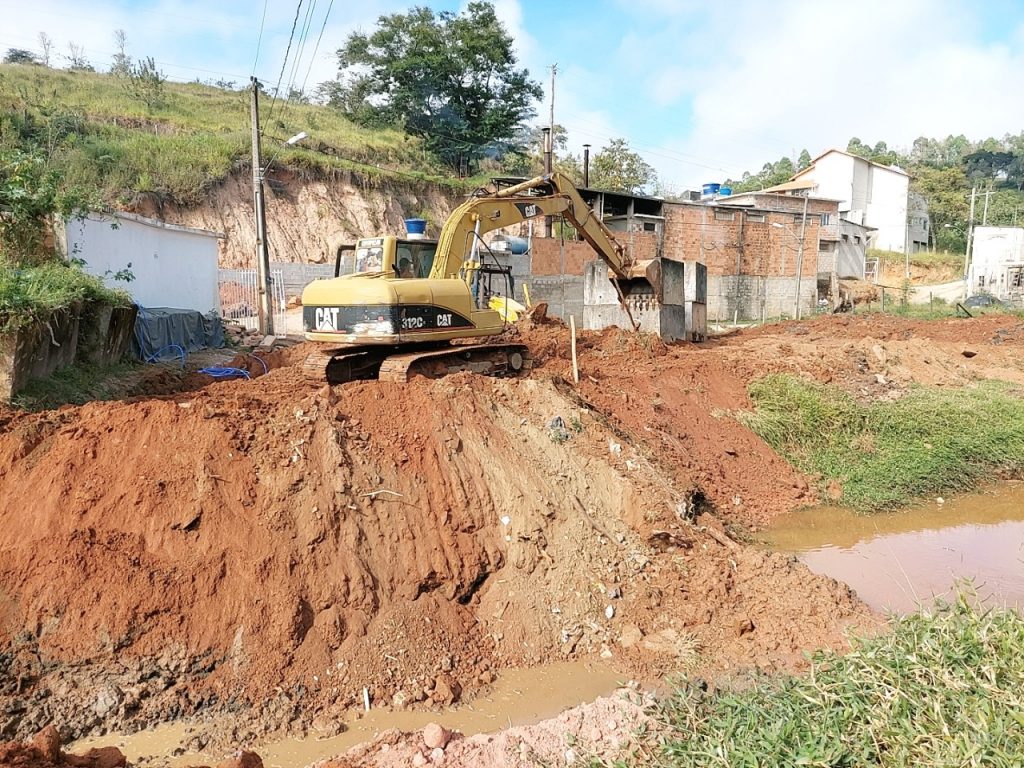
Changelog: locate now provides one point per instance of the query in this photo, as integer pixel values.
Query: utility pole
(266, 317)
(586, 166)
(551, 114)
(970, 237)
(984, 215)
(800, 256)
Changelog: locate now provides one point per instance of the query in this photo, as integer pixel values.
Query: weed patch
(886, 454)
(31, 293)
(945, 687)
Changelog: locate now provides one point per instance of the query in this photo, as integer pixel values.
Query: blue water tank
(416, 226)
(518, 245)
(724, 191)
(710, 190)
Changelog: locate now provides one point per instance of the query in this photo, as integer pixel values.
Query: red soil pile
(286, 544)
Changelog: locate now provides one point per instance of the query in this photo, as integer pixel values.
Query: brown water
(900, 560)
(518, 697)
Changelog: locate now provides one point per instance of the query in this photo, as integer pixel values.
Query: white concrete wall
(173, 266)
(996, 250)
(887, 208)
(869, 194)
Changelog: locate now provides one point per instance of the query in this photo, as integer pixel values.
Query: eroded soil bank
(268, 549)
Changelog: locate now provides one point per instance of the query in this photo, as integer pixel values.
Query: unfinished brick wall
(547, 252)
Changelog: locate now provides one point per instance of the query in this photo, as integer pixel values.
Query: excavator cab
(386, 257)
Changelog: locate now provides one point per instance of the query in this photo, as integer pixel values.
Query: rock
(446, 690)
(47, 741)
(400, 700)
(435, 736)
(419, 760)
(968, 353)
(436, 756)
(242, 759)
(104, 757)
(744, 626)
(880, 379)
(631, 635)
(108, 700)
(609, 612)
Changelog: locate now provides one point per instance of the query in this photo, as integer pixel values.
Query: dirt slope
(308, 218)
(284, 544)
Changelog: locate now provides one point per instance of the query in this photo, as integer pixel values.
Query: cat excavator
(430, 307)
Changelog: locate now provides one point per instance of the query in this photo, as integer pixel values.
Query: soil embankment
(311, 216)
(270, 548)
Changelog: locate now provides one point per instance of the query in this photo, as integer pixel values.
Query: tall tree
(804, 160)
(122, 62)
(450, 78)
(46, 46)
(617, 167)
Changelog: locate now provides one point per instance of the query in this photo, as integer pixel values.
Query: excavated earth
(267, 549)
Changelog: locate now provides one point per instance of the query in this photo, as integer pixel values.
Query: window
(1017, 277)
(724, 215)
(650, 226)
(826, 219)
(856, 239)
(846, 238)
(756, 218)
(981, 282)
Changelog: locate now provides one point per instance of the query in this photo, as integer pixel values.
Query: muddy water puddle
(518, 697)
(899, 560)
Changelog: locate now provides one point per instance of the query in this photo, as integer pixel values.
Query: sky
(703, 90)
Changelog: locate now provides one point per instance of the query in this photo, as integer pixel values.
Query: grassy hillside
(103, 137)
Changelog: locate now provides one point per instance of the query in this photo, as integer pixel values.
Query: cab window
(369, 259)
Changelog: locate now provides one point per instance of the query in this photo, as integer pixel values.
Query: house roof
(791, 186)
(892, 168)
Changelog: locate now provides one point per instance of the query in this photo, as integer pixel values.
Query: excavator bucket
(651, 297)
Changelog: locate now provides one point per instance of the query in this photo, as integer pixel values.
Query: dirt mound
(43, 751)
(287, 545)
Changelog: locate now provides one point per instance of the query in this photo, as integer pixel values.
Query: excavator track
(344, 364)
(487, 359)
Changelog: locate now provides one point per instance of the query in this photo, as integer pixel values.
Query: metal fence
(239, 297)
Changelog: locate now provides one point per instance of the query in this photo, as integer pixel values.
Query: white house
(870, 194)
(172, 266)
(997, 262)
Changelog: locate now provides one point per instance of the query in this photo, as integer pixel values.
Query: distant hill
(104, 135)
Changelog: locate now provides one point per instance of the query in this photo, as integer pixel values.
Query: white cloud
(779, 77)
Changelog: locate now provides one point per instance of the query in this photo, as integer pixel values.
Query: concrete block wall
(751, 297)
(562, 294)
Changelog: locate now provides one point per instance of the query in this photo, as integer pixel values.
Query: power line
(297, 60)
(287, 52)
(316, 48)
(259, 40)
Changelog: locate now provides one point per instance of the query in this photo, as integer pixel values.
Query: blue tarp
(159, 329)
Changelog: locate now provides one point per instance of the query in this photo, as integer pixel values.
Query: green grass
(922, 259)
(77, 384)
(944, 688)
(32, 293)
(886, 454)
(103, 137)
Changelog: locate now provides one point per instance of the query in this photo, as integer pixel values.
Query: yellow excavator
(415, 305)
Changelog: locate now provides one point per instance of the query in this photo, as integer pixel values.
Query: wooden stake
(575, 365)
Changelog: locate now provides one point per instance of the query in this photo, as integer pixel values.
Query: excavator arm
(549, 195)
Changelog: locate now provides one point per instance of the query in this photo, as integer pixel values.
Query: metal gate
(239, 298)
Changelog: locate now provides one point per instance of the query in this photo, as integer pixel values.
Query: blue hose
(218, 372)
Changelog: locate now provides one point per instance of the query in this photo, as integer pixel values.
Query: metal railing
(239, 298)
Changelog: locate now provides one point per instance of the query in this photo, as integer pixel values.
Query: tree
(146, 82)
(31, 191)
(804, 161)
(45, 45)
(20, 56)
(617, 167)
(76, 59)
(524, 156)
(449, 78)
(122, 62)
